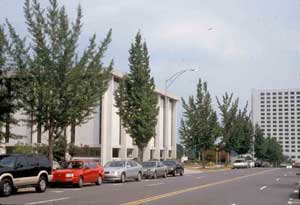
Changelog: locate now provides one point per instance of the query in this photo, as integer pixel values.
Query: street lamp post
(168, 83)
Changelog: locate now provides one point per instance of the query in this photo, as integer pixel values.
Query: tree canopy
(59, 87)
(136, 98)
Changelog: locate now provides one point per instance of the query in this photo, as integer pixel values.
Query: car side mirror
(128, 166)
(86, 168)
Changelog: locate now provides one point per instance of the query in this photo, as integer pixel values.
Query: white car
(240, 163)
(251, 163)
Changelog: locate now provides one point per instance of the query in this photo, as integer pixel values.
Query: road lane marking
(47, 201)
(296, 191)
(57, 191)
(174, 193)
(200, 177)
(278, 179)
(155, 184)
(262, 188)
(285, 175)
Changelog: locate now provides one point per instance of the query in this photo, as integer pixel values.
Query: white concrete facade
(104, 129)
(277, 112)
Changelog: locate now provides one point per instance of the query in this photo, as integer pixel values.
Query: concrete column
(174, 131)
(157, 137)
(166, 128)
(123, 151)
(106, 149)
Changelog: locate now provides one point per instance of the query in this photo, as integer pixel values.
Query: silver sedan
(121, 170)
(154, 169)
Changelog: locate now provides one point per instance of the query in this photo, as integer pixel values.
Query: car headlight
(116, 172)
(171, 168)
(69, 175)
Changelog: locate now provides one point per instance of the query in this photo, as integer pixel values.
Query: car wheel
(99, 180)
(42, 184)
(174, 173)
(181, 172)
(154, 175)
(6, 187)
(123, 178)
(139, 177)
(165, 175)
(80, 182)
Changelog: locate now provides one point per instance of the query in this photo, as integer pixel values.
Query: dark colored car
(18, 171)
(174, 167)
(258, 163)
(78, 172)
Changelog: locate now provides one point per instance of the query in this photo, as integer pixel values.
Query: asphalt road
(233, 187)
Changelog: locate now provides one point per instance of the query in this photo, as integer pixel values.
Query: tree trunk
(141, 154)
(39, 133)
(50, 145)
(203, 159)
(67, 144)
(31, 128)
(73, 132)
(7, 131)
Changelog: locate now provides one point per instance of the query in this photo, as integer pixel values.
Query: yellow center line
(161, 196)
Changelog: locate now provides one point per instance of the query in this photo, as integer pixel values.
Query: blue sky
(237, 45)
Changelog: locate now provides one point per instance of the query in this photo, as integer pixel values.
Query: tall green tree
(228, 111)
(273, 152)
(8, 91)
(259, 143)
(136, 98)
(60, 87)
(243, 132)
(199, 126)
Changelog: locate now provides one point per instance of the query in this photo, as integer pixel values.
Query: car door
(135, 169)
(23, 175)
(160, 168)
(129, 169)
(87, 172)
(94, 170)
(33, 166)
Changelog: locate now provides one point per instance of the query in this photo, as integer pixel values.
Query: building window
(129, 153)
(161, 154)
(115, 152)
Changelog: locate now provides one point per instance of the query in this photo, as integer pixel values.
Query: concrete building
(278, 114)
(105, 134)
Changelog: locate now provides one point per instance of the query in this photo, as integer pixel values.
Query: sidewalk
(195, 169)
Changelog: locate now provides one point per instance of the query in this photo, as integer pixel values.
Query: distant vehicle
(121, 170)
(266, 164)
(240, 163)
(258, 163)
(296, 164)
(174, 167)
(78, 172)
(286, 165)
(251, 163)
(18, 171)
(154, 169)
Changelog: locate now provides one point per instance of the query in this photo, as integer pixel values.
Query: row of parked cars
(243, 163)
(18, 171)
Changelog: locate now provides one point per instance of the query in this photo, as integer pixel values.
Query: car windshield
(7, 161)
(169, 163)
(75, 165)
(239, 160)
(115, 164)
(149, 164)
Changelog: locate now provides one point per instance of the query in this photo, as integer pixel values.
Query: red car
(78, 172)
